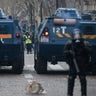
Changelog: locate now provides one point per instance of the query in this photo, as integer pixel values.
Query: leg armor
(71, 80)
(83, 85)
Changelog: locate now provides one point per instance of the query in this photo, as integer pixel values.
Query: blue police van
(88, 28)
(11, 45)
(51, 37)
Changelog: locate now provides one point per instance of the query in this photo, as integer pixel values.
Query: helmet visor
(76, 35)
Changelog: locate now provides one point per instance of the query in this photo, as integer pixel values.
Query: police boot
(70, 85)
(27, 52)
(30, 51)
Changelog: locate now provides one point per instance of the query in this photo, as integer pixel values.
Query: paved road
(54, 83)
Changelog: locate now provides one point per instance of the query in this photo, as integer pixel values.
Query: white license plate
(44, 39)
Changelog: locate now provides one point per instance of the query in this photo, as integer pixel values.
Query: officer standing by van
(28, 43)
(77, 53)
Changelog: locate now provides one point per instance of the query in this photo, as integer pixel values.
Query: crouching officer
(77, 53)
(28, 43)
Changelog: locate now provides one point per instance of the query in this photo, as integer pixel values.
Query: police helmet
(76, 35)
(27, 33)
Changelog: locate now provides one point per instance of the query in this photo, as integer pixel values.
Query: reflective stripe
(63, 35)
(5, 35)
(28, 37)
(89, 36)
(28, 40)
(59, 35)
(68, 36)
(64, 21)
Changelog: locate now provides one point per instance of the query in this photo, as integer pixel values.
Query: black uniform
(79, 50)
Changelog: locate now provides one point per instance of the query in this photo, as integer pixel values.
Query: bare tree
(33, 11)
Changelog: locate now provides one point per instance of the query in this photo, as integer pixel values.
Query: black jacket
(78, 50)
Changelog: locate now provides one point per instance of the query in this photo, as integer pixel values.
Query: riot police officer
(77, 52)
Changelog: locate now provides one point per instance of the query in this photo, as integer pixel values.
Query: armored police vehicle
(51, 37)
(11, 45)
(88, 28)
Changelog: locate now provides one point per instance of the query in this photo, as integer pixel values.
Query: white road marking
(29, 67)
(29, 80)
(28, 76)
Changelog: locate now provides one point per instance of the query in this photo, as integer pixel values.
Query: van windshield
(67, 14)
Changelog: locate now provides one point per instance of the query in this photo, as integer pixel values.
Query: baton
(76, 66)
(75, 62)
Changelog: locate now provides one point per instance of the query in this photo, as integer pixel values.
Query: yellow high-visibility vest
(28, 40)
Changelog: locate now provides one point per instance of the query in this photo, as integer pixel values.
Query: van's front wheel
(17, 67)
(41, 66)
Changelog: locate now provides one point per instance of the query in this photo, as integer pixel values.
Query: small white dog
(34, 87)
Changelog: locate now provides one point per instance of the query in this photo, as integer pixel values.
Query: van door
(6, 33)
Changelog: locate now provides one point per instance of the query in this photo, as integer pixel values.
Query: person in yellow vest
(28, 43)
